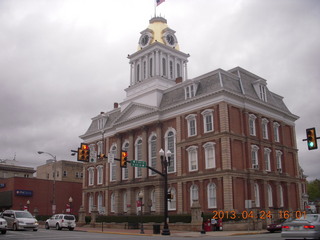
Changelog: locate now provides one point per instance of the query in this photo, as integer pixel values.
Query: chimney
(101, 112)
(178, 80)
(115, 105)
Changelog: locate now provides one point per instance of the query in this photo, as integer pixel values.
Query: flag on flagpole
(159, 2)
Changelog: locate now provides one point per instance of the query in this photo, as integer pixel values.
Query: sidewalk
(174, 233)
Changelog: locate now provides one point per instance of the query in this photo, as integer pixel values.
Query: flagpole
(155, 8)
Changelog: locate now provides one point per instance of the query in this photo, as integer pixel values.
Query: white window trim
(214, 191)
(207, 146)
(173, 156)
(137, 170)
(90, 176)
(152, 173)
(194, 193)
(257, 194)
(172, 205)
(113, 165)
(270, 197)
(281, 196)
(255, 162)
(112, 203)
(125, 202)
(205, 113)
(252, 129)
(153, 200)
(279, 160)
(265, 134)
(190, 151)
(99, 174)
(267, 160)
(189, 118)
(190, 91)
(276, 131)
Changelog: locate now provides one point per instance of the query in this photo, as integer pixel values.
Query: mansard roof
(237, 82)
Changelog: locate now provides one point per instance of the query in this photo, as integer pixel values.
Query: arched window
(164, 67)
(90, 176)
(252, 124)
(100, 207)
(172, 204)
(193, 158)
(113, 166)
(125, 204)
(194, 194)
(138, 73)
(178, 70)
(112, 203)
(151, 67)
(281, 196)
(212, 195)
(144, 69)
(170, 144)
(270, 197)
(171, 69)
(138, 157)
(257, 195)
(153, 153)
(90, 202)
(210, 155)
(153, 200)
(99, 174)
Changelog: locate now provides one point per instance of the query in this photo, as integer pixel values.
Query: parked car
(3, 225)
(17, 220)
(60, 221)
(305, 227)
(276, 225)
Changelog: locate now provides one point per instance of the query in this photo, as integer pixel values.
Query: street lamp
(54, 180)
(140, 199)
(165, 161)
(70, 204)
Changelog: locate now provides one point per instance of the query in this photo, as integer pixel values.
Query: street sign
(136, 163)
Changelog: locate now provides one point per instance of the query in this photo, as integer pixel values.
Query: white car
(305, 227)
(60, 221)
(3, 226)
(17, 219)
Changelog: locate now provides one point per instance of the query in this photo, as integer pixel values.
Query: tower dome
(158, 31)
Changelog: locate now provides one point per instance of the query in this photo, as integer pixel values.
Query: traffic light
(83, 153)
(169, 196)
(311, 138)
(123, 160)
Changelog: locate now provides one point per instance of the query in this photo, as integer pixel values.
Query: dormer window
(263, 93)
(190, 91)
(101, 122)
(260, 86)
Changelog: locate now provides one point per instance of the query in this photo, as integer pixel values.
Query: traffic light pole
(164, 174)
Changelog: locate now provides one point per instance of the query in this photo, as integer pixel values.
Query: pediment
(134, 110)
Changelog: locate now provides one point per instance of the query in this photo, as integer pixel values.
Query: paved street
(79, 234)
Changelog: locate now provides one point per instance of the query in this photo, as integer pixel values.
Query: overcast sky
(62, 62)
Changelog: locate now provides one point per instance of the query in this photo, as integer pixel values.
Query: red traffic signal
(123, 159)
(84, 153)
(311, 138)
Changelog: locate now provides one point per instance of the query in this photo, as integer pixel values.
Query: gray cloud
(62, 62)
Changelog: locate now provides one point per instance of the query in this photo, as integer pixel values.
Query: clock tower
(156, 65)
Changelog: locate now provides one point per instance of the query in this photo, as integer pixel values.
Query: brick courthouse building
(231, 138)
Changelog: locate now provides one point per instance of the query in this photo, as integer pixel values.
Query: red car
(276, 225)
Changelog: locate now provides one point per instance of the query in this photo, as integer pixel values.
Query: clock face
(170, 39)
(145, 40)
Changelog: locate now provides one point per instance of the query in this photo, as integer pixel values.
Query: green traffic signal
(311, 138)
